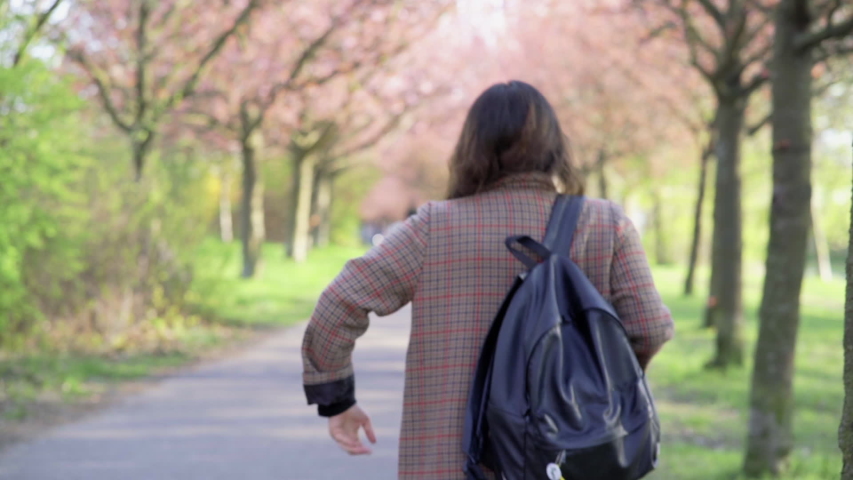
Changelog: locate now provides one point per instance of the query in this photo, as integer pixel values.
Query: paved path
(243, 418)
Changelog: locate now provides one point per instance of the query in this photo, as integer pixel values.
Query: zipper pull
(553, 469)
(554, 472)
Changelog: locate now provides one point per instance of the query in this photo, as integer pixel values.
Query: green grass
(281, 293)
(704, 413)
(57, 376)
(51, 377)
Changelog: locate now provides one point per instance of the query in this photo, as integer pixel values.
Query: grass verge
(704, 414)
(282, 293)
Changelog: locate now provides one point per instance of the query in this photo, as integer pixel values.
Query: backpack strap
(531, 245)
(558, 236)
(561, 226)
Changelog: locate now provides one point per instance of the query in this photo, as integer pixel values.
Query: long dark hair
(510, 129)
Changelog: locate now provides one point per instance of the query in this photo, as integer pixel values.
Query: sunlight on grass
(704, 414)
(282, 293)
(47, 376)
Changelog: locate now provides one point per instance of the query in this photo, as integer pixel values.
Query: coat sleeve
(382, 281)
(634, 296)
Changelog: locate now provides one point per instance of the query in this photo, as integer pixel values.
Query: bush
(38, 208)
(133, 285)
(89, 259)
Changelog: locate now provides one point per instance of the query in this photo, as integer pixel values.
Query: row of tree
(319, 83)
(733, 50)
(737, 47)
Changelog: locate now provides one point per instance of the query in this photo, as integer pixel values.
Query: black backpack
(558, 392)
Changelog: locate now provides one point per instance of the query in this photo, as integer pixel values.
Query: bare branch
(759, 56)
(708, 149)
(809, 40)
(761, 7)
(103, 86)
(694, 38)
(191, 83)
(307, 54)
(820, 90)
(392, 122)
(200, 121)
(694, 61)
(754, 84)
(714, 12)
(691, 33)
(736, 35)
(658, 31)
(836, 5)
(751, 130)
(838, 50)
(751, 35)
(310, 51)
(32, 32)
(142, 60)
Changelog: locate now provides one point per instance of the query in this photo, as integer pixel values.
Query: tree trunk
(824, 263)
(661, 249)
(770, 437)
(845, 429)
(140, 146)
(602, 175)
(712, 305)
(304, 171)
(251, 210)
(713, 287)
(226, 224)
(314, 217)
(697, 224)
(727, 315)
(325, 192)
(290, 226)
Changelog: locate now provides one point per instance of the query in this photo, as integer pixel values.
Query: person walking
(449, 260)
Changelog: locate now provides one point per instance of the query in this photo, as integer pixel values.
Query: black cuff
(335, 409)
(333, 398)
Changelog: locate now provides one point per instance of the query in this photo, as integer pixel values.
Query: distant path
(243, 418)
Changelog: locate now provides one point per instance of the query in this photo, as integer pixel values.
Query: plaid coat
(450, 261)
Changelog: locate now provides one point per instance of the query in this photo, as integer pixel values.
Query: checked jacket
(450, 262)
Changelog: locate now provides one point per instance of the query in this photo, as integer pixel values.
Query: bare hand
(344, 429)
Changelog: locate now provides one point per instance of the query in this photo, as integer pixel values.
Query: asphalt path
(239, 418)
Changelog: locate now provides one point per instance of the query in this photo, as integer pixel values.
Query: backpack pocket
(507, 455)
(628, 457)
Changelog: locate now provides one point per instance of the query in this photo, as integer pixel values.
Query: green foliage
(136, 254)
(100, 258)
(39, 208)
